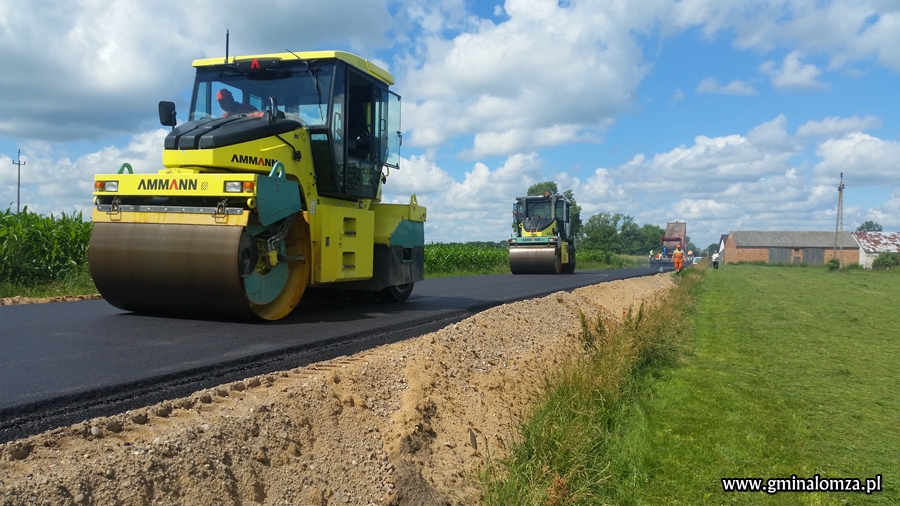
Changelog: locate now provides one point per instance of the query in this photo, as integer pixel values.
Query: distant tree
(869, 226)
(551, 188)
(689, 245)
(601, 232)
(574, 213)
(650, 236)
(630, 237)
(712, 248)
(542, 188)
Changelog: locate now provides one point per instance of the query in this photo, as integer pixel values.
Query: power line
(20, 163)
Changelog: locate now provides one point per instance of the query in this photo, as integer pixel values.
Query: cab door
(389, 135)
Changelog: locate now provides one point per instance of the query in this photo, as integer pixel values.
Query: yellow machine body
(543, 242)
(261, 204)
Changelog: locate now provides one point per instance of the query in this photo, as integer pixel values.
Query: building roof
(723, 239)
(878, 242)
(758, 239)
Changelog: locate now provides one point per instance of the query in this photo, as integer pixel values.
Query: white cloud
(52, 182)
(566, 70)
(95, 70)
(887, 214)
(834, 125)
(474, 209)
(418, 175)
(793, 75)
(864, 160)
(712, 85)
(846, 31)
(713, 161)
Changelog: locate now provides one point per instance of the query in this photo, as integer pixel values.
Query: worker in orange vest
(678, 258)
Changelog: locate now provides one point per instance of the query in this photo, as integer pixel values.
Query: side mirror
(272, 110)
(167, 114)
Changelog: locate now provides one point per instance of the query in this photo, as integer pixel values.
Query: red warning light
(254, 64)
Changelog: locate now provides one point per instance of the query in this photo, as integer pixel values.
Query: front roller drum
(188, 269)
(523, 260)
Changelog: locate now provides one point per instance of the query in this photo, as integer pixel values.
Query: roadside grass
(75, 281)
(563, 454)
(793, 372)
(787, 372)
(595, 260)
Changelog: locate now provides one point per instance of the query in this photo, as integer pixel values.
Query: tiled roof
(759, 239)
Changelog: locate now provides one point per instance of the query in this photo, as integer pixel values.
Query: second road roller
(542, 242)
(272, 185)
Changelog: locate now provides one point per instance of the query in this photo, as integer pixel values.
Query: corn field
(452, 258)
(449, 259)
(37, 249)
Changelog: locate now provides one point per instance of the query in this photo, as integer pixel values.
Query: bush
(597, 259)
(833, 264)
(886, 261)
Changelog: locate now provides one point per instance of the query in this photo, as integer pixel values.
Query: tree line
(613, 232)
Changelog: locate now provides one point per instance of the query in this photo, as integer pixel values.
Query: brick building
(813, 248)
(722, 240)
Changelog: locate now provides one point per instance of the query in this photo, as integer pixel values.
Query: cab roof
(360, 63)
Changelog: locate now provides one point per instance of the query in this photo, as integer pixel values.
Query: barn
(872, 244)
(722, 240)
(813, 248)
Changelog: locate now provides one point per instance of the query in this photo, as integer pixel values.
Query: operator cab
(352, 119)
(536, 213)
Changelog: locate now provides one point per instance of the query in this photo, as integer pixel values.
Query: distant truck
(676, 233)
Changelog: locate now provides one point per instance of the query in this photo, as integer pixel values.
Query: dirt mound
(407, 423)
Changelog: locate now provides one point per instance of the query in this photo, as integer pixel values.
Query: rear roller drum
(396, 293)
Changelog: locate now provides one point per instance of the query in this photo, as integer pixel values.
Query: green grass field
(788, 371)
(794, 372)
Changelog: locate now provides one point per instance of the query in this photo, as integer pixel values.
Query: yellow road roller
(543, 242)
(272, 185)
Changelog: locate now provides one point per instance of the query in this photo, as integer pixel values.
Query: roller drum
(168, 268)
(524, 260)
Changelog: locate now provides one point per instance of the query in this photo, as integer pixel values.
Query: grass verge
(789, 372)
(565, 452)
(75, 281)
(793, 373)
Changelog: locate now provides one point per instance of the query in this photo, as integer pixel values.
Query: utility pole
(839, 226)
(20, 163)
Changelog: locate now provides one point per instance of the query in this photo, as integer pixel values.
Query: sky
(737, 115)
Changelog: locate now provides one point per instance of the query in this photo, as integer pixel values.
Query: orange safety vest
(677, 254)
